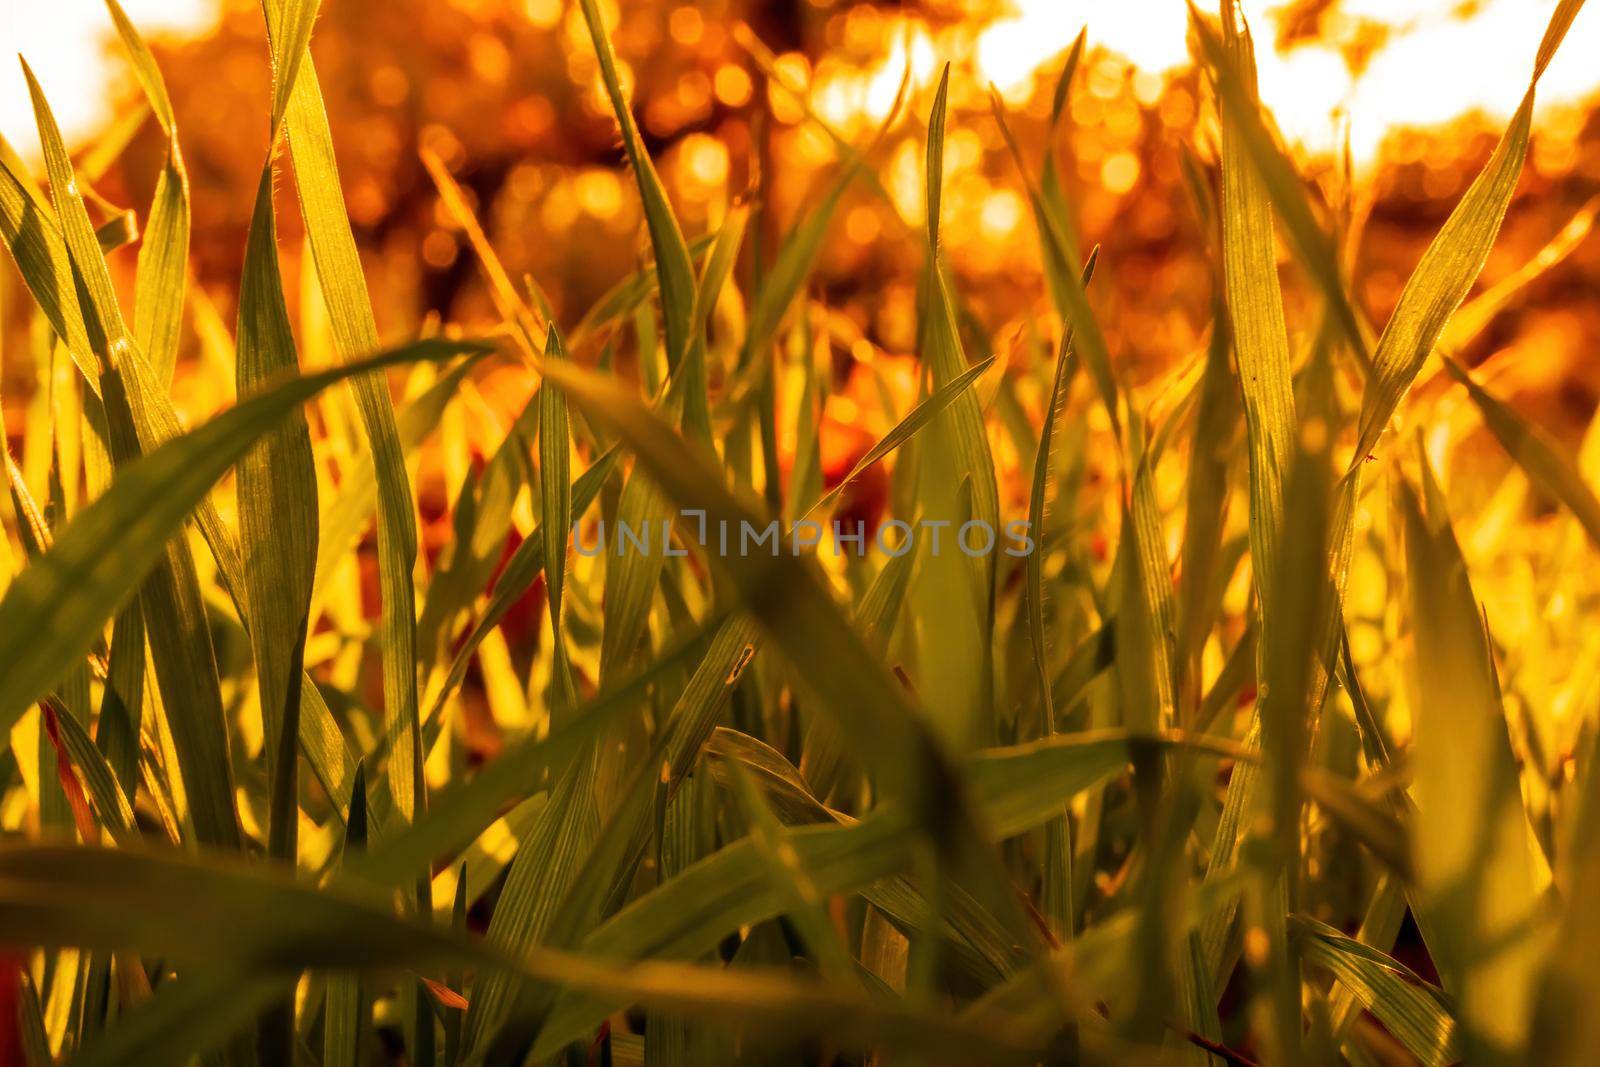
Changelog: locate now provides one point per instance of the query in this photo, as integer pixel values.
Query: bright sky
(65, 42)
(1434, 67)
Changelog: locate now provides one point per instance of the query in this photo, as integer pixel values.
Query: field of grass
(1215, 755)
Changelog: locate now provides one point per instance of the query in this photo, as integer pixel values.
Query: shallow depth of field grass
(1234, 768)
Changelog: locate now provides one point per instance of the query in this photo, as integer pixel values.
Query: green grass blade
(106, 334)
(549, 857)
(1205, 508)
(1452, 262)
(1412, 1010)
(291, 35)
(36, 246)
(481, 521)
(170, 598)
(344, 519)
(1255, 310)
(102, 555)
(1270, 164)
(164, 253)
(555, 472)
(524, 566)
(1088, 337)
(344, 290)
(1154, 587)
(918, 417)
(673, 265)
(277, 489)
(632, 572)
(110, 802)
(1052, 190)
(718, 267)
(1474, 316)
(790, 268)
(956, 484)
(345, 1010)
(1541, 458)
(1476, 856)
(1037, 498)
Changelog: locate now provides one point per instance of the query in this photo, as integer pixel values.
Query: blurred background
(1393, 106)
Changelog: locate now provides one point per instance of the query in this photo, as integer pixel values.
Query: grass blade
(1536, 452)
(277, 522)
(101, 556)
(355, 332)
(674, 268)
(555, 472)
(1476, 858)
(1453, 260)
(164, 253)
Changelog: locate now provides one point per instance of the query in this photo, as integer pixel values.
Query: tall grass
(829, 804)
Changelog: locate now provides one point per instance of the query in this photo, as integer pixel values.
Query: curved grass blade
(1412, 1010)
(101, 556)
(110, 802)
(170, 597)
(164, 253)
(1069, 289)
(1536, 452)
(673, 266)
(268, 924)
(918, 417)
(1474, 316)
(1453, 260)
